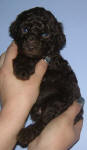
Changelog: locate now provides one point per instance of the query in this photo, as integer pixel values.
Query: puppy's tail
(28, 134)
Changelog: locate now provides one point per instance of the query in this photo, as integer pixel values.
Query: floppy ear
(13, 30)
(61, 39)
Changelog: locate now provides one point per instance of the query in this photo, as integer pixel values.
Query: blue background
(73, 15)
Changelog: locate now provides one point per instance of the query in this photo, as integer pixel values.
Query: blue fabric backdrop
(73, 14)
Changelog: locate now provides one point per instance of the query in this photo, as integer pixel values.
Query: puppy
(38, 34)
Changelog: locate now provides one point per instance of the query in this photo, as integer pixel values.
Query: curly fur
(38, 34)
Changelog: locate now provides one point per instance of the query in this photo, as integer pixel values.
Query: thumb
(74, 109)
(40, 70)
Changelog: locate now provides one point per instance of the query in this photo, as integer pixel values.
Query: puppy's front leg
(23, 67)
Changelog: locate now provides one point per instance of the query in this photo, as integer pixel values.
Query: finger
(2, 58)
(73, 110)
(12, 50)
(40, 70)
(10, 54)
(78, 128)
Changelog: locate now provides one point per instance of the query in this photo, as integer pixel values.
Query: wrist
(12, 118)
(40, 144)
(15, 113)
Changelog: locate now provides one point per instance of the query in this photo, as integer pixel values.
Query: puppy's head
(37, 32)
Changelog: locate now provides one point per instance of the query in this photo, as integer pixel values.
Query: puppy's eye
(25, 30)
(45, 35)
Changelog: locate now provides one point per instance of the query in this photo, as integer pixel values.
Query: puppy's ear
(61, 39)
(13, 30)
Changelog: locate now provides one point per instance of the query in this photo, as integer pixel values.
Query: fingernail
(47, 59)
(81, 101)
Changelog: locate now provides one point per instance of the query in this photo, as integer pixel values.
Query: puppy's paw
(21, 70)
(21, 73)
(23, 138)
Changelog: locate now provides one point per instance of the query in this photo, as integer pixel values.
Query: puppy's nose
(32, 37)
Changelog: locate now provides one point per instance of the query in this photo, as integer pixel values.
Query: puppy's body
(38, 34)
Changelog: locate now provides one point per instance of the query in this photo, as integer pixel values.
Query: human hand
(15, 87)
(17, 97)
(60, 133)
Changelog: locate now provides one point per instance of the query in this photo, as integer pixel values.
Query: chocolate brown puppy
(38, 34)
